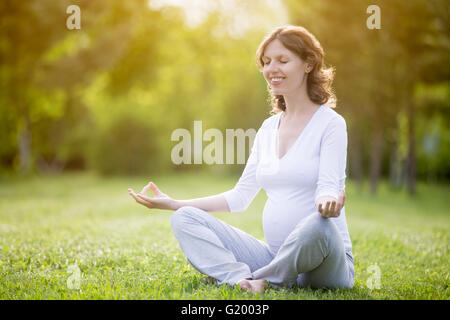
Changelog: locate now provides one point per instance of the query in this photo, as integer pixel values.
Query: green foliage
(125, 147)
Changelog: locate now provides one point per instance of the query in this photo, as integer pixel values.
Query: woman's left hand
(329, 207)
(159, 201)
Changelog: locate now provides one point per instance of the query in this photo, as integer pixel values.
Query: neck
(299, 104)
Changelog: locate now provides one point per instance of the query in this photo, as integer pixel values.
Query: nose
(271, 68)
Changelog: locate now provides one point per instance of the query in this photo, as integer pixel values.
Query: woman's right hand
(159, 201)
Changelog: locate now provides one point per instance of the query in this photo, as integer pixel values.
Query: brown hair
(301, 42)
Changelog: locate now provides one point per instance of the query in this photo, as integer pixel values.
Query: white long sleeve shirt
(313, 166)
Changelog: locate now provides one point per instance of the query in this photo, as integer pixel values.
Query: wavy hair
(305, 45)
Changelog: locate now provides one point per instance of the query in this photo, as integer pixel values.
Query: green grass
(125, 251)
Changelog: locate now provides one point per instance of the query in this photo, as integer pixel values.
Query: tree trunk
(24, 144)
(355, 155)
(396, 178)
(376, 156)
(411, 163)
(395, 174)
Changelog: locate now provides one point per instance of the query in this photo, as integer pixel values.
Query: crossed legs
(312, 255)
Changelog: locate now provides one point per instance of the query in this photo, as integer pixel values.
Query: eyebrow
(279, 56)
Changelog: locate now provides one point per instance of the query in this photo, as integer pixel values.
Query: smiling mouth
(276, 80)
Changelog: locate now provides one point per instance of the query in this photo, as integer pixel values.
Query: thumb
(342, 196)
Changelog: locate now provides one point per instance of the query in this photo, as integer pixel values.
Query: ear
(309, 64)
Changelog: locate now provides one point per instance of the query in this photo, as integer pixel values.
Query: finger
(323, 210)
(341, 203)
(133, 194)
(144, 198)
(327, 208)
(335, 213)
(138, 200)
(145, 188)
(320, 208)
(131, 191)
(333, 208)
(341, 197)
(155, 189)
(338, 210)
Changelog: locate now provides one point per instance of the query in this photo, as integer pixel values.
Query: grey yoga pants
(313, 254)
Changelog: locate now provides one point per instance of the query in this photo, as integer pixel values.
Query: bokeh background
(87, 113)
(107, 97)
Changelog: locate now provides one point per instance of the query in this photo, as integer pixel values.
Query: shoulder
(270, 121)
(332, 119)
(268, 127)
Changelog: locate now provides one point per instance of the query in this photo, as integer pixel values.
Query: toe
(259, 286)
(244, 285)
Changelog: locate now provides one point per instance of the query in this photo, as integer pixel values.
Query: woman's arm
(216, 203)
(333, 158)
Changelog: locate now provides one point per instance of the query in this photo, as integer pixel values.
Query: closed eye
(267, 62)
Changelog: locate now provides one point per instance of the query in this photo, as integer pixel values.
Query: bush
(125, 147)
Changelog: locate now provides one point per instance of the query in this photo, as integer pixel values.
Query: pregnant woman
(299, 158)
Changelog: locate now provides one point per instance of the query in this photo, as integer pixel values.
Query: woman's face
(283, 70)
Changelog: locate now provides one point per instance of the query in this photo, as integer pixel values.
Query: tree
(41, 56)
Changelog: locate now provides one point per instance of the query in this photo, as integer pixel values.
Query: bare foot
(255, 286)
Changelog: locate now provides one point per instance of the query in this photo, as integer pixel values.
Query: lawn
(80, 236)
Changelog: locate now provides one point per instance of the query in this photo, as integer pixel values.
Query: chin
(278, 91)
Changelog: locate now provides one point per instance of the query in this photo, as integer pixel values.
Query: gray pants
(312, 255)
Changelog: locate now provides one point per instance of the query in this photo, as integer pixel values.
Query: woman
(299, 159)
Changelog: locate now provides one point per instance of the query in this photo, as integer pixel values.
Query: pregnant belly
(279, 220)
